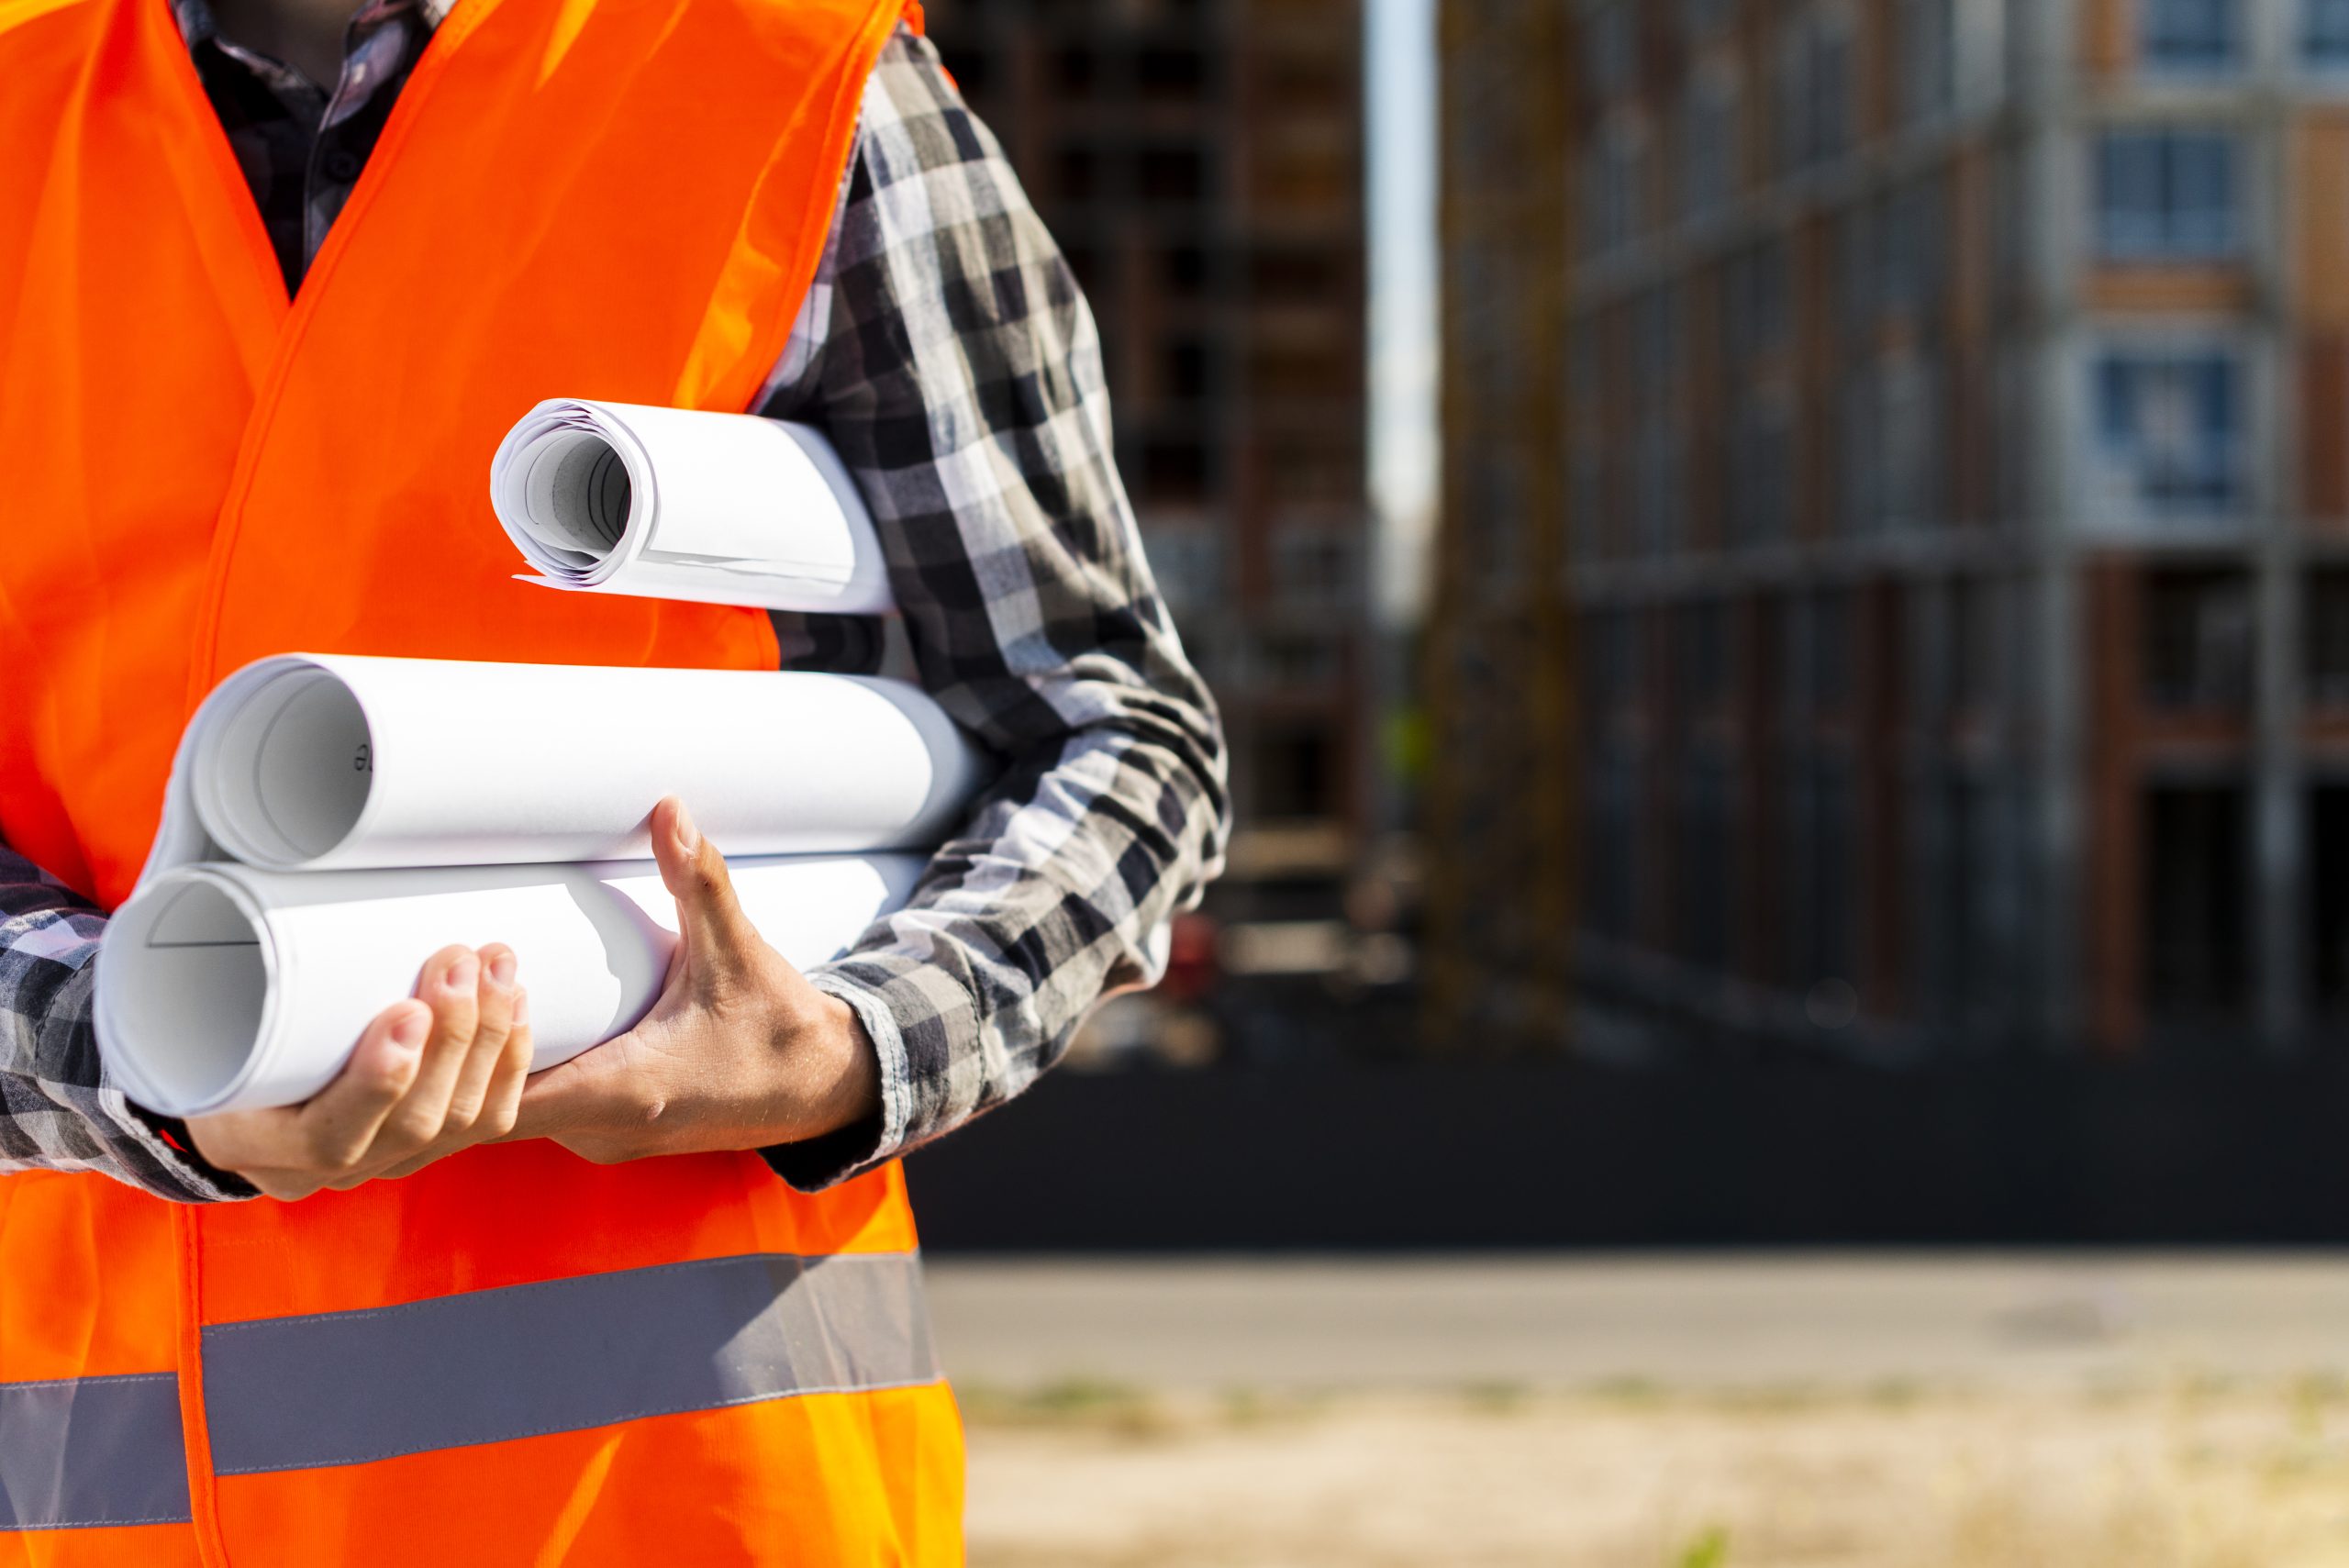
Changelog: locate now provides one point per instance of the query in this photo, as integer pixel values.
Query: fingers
(486, 1101)
(718, 935)
(449, 984)
(337, 1129)
(493, 1028)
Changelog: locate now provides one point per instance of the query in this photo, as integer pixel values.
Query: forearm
(960, 378)
(58, 1110)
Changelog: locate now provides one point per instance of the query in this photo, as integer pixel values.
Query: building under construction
(1952, 423)
(1200, 162)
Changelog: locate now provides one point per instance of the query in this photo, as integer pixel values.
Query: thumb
(716, 933)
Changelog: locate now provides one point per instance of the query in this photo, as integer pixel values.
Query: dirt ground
(2195, 1475)
(1758, 1412)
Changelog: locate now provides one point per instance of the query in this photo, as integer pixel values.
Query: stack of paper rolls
(332, 820)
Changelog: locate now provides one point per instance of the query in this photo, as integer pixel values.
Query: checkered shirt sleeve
(959, 373)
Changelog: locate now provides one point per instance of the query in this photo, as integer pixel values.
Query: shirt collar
(198, 26)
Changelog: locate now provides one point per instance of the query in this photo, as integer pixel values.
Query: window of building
(2196, 944)
(2190, 35)
(1761, 474)
(1188, 374)
(1611, 832)
(1296, 773)
(1297, 275)
(2170, 431)
(1298, 662)
(1075, 72)
(2324, 32)
(1315, 565)
(1173, 174)
(1912, 445)
(1828, 652)
(2167, 195)
(2197, 632)
(1826, 879)
(1708, 861)
(1174, 472)
(1608, 43)
(2327, 885)
(1609, 191)
(2325, 621)
(1757, 300)
(1171, 71)
(1185, 271)
(1928, 59)
(1862, 443)
(1187, 563)
(1702, 17)
(1708, 144)
(1319, 470)
(1704, 656)
(1815, 91)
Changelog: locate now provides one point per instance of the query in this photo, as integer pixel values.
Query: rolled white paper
(679, 504)
(332, 761)
(222, 987)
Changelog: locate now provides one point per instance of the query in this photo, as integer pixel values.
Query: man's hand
(739, 1052)
(430, 1076)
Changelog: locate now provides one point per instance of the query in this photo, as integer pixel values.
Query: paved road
(1774, 1322)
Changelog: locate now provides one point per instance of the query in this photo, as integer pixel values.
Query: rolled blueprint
(320, 762)
(226, 988)
(676, 504)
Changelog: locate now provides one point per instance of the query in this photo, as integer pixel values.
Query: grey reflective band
(493, 1365)
(92, 1450)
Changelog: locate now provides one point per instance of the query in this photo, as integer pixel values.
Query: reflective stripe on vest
(80, 1452)
(494, 1366)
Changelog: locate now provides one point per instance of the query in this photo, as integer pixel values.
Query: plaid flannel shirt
(946, 350)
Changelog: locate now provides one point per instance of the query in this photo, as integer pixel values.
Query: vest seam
(935, 1380)
(92, 1377)
(364, 1314)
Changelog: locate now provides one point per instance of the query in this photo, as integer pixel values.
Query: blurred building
(1200, 162)
(1956, 442)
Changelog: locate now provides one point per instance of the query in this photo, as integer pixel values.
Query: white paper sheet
(677, 504)
(327, 761)
(226, 988)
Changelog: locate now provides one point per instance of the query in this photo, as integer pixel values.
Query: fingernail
(688, 836)
(463, 974)
(501, 970)
(521, 1009)
(408, 1028)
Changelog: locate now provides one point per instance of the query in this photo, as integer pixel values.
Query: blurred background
(1779, 575)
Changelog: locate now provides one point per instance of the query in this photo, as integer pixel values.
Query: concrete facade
(1956, 520)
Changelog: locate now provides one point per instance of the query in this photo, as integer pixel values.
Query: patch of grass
(1628, 1391)
(1894, 1393)
(1497, 1397)
(1773, 1399)
(1709, 1548)
(1088, 1402)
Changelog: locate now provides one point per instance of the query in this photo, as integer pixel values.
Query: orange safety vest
(514, 1357)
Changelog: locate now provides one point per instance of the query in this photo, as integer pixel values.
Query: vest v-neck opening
(303, 304)
(229, 174)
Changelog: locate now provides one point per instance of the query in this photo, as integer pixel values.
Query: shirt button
(342, 164)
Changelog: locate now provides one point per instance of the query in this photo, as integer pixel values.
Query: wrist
(832, 1072)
